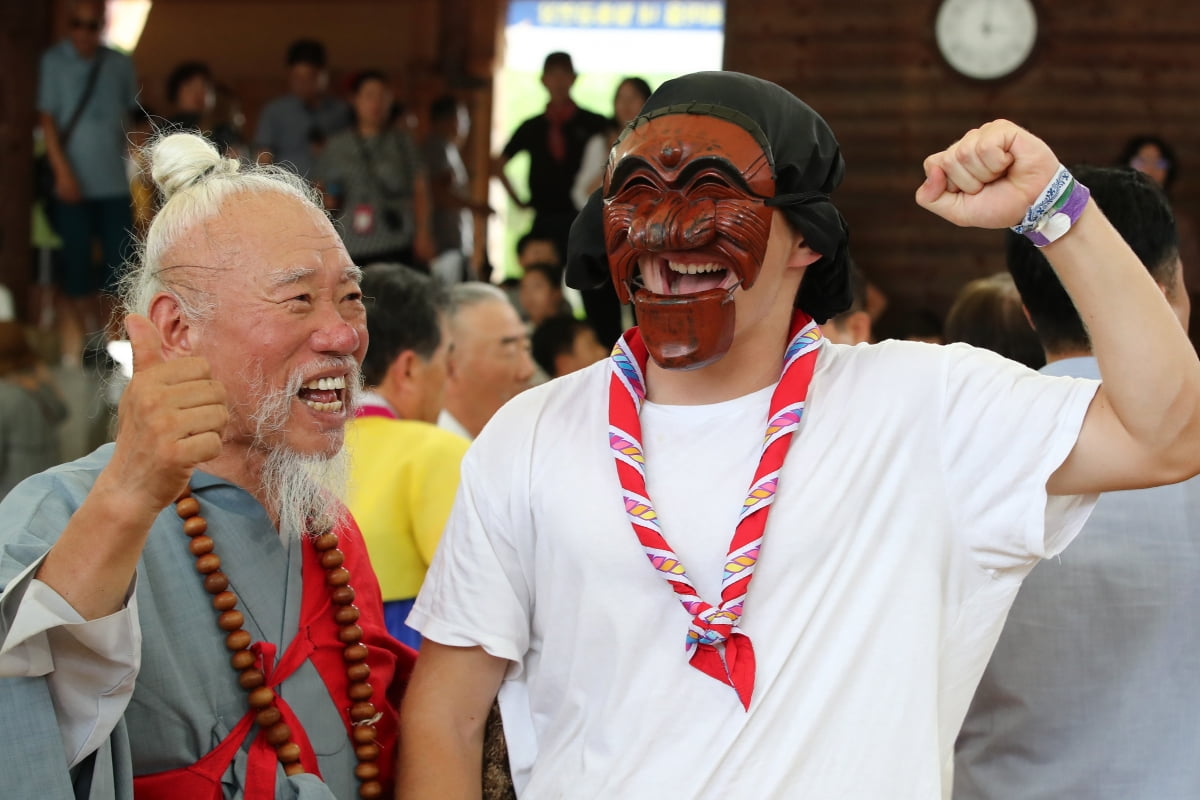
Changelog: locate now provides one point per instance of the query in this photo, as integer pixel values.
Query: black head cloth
(806, 162)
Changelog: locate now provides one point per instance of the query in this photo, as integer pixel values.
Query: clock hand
(987, 18)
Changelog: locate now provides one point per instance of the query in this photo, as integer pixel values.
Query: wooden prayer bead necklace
(260, 697)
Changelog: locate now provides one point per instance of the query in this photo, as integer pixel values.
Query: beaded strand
(261, 698)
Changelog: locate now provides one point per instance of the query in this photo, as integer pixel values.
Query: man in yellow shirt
(404, 469)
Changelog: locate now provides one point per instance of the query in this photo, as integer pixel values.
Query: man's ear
(174, 328)
(802, 255)
(401, 368)
(451, 362)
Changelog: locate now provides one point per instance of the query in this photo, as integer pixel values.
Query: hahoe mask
(684, 196)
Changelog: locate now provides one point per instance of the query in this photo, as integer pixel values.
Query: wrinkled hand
(988, 178)
(170, 419)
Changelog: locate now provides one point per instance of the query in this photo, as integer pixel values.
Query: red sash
(391, 664)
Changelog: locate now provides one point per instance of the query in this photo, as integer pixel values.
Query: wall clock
(986, 39)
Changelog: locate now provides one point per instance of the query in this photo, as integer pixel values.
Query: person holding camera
(374, 182)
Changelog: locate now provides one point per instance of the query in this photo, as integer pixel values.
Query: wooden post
(24, 32)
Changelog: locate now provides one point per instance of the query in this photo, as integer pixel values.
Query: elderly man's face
(490, 355)
(289, 331)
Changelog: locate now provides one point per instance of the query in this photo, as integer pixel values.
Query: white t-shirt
(911, 505)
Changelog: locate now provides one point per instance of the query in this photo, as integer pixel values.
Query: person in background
(532, 249)
(563, 344)
(1092, 691)
(449, 188)
(293, 128)
(374, 181)
(192, 96)
(1155, 157)
(87, 101)
(489, 360)
(555, 141)
(852, 326)
(541, 295)
(31, 408)
(631, 94)
(910, 325)
(987, 313)
(404, 469)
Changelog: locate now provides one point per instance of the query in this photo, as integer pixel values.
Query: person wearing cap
(659, 561)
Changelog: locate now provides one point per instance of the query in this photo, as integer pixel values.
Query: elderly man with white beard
(189, 611)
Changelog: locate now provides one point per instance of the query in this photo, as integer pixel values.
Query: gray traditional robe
(186, 696)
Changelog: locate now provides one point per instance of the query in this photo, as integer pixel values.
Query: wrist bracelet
(1058, 208)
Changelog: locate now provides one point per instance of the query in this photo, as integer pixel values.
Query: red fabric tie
(558, 115)
(712, 628)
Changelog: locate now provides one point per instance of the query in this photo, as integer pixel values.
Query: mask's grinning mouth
(683, 279)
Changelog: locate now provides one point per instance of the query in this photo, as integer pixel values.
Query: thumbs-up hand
(170, 419)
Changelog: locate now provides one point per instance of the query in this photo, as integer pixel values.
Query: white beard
(306, 492)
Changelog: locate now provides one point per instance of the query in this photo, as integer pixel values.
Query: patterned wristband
(1060, 219)
(1057, 209)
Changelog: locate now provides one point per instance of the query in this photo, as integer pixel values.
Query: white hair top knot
(180, 160)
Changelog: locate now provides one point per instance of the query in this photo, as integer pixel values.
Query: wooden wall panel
(24, 31)
(1102, 72)
(244, 43)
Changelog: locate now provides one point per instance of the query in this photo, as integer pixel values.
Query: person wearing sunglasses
(86, 95)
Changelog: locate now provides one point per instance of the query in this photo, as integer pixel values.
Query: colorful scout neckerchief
(710, 625)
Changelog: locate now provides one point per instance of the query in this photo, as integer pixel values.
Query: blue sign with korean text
(615, 14)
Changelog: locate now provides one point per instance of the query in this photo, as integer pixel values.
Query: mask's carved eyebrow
(628, 165)
(717, 164)
(632, 164)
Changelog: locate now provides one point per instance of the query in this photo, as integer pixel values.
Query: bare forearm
(442, 722)
(498, 172)
(54, 149)
(1150, 370)
(437, 761)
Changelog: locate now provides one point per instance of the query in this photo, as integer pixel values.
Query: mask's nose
(672, 222)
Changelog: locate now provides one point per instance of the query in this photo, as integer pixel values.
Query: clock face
(986, 39)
